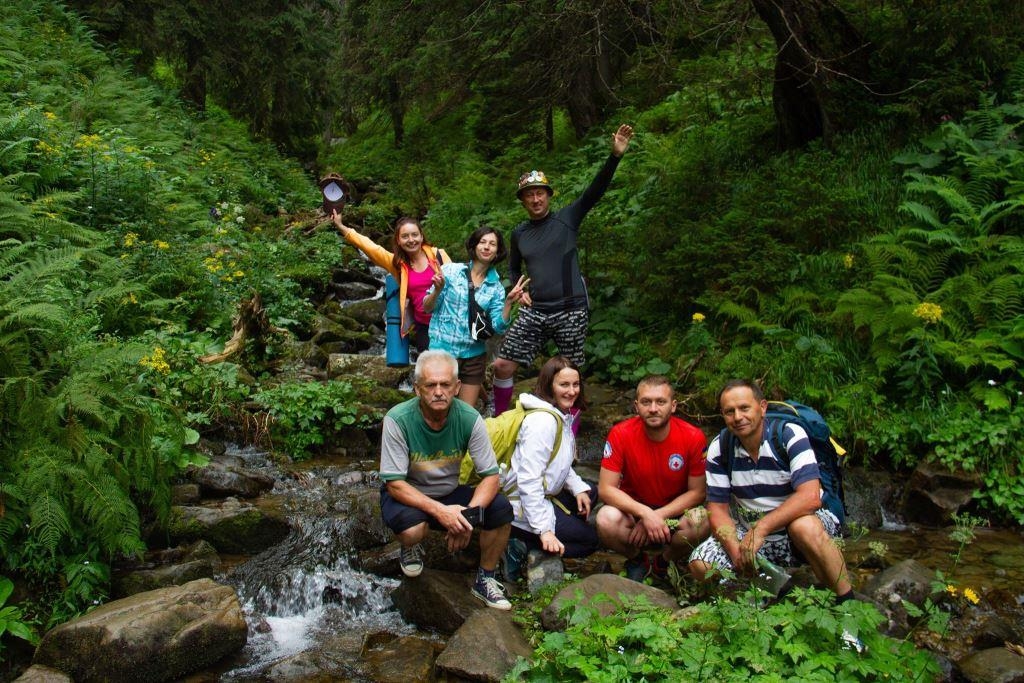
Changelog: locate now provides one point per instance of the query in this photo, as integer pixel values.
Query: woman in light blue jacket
(448, 302)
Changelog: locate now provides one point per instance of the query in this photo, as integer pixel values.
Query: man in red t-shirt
(652, 471)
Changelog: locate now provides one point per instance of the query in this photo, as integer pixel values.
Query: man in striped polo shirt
(781, 517)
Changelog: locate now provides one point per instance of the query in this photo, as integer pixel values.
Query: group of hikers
(664, 495)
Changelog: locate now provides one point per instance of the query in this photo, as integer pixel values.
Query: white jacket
(531, 479)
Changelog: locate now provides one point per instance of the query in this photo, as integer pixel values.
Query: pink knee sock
(502, 394)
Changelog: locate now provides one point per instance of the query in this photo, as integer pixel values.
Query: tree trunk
(819, 52)
(193, 87)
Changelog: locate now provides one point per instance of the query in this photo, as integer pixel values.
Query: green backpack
(503, 432)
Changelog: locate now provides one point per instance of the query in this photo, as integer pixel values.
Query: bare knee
(504, 368)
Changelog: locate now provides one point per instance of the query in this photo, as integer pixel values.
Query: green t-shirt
(429, 459)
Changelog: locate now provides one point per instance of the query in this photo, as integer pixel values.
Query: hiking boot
(411, 560)
(490, 590)
(644, 565)
(513, 559)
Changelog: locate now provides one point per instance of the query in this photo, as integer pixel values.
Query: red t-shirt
(654, 473)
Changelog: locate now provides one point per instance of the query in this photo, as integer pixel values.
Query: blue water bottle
(396, 347)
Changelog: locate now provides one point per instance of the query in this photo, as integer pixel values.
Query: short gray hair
(431, 356)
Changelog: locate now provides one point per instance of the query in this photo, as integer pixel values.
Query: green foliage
(724, 640)
(309, 415)
(12, 618)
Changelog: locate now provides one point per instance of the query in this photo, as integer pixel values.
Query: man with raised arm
(556, 306)
(780, 515)
(422, 445)
(652, 484)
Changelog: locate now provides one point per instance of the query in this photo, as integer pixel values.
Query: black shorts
(532, 330)
(399, 517)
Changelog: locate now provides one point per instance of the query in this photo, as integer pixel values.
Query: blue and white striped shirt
(760, 487)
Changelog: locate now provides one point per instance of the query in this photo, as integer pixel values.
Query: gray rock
(369, 313)
(405, 659)
(185, 494)
(158, 635)
(909, 579)
(995, 665)
(43, 674)
(436, 600)
(311, 666)
(230, 526)
(542, 569)
(355, 291)
(934, 494)
(485, 631)
(341, 365)
(366, 528)
(868, 493)
(222, 479)
(605, 592)
(170, 567)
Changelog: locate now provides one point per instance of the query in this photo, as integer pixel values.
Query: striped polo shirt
(760, 487)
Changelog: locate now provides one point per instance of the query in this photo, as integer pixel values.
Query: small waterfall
(304, 591)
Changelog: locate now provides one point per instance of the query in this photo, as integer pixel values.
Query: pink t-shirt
(419, 283)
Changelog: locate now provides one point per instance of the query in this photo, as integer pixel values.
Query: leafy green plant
(12, 619)
(309, 415)
(724, 640)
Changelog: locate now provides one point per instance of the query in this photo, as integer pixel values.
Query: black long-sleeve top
(547, 249)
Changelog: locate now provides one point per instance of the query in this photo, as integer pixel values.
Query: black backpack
(828, 453)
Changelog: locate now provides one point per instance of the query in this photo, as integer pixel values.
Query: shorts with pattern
(532, 330)
(777, 548)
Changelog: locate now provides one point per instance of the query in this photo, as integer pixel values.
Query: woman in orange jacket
(414, 263)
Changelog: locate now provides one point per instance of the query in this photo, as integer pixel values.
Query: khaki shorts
(472, 370)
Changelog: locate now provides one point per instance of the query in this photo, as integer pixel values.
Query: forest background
(825, 196)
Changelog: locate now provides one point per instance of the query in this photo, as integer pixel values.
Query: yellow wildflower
(49, 115)
(130, 239)
(160, 244)
(951, 589)
(698, 318)
(848, 261)
(239, 273)
(971, 596)
(157, 361)
(928, 312)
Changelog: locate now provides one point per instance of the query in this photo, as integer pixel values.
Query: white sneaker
(851, 642)
(411, 560)
(490, 590)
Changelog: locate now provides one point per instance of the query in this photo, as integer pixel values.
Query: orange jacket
(383, 258)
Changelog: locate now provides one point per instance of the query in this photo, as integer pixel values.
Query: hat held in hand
(336, 191)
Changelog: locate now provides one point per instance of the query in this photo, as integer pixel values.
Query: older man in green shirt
(422, 445)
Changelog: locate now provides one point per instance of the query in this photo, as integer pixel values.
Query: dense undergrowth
(878, 278)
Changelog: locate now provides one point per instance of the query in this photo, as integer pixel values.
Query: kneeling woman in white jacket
(551, 502)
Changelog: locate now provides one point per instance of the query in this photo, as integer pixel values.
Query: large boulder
(994, 665)
(606, 593)
(159, 635)
(230, 526)
(436, 600)
(486, 630)
(934, 494)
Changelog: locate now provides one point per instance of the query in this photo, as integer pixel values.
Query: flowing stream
(303, 593)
